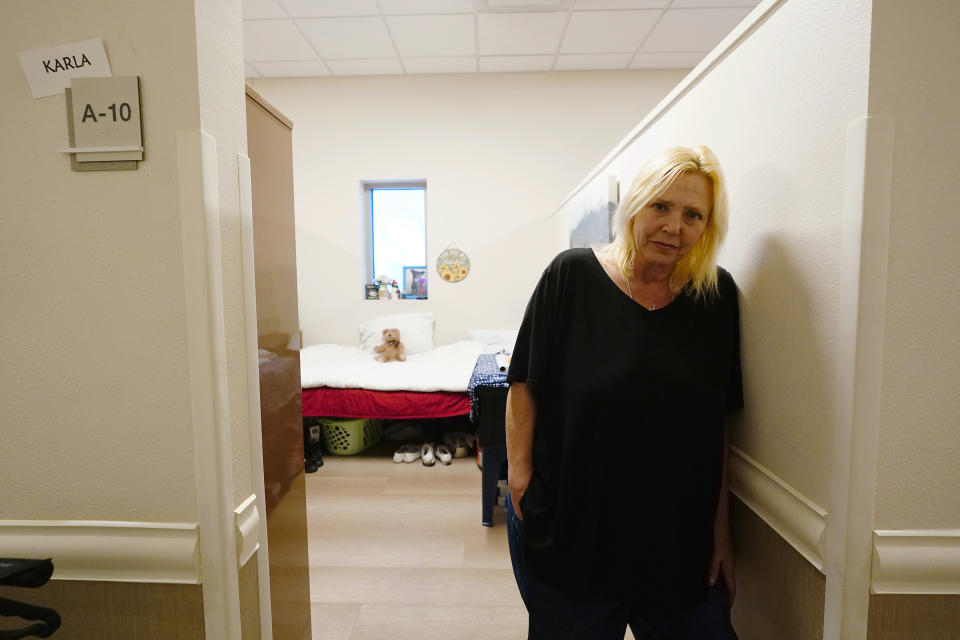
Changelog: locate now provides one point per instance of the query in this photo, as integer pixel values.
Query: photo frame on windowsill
(371, 292)
(415, 282)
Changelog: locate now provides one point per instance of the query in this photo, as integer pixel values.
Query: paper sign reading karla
(49, 70)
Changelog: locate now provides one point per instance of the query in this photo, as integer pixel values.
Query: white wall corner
(868, 176)
(247, 520)
(797, 519)
(109, 551)
(916, 562)
(198, 181)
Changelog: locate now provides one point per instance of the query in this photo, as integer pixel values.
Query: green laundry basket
(350, 436)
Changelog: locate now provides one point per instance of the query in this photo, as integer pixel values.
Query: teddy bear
(392, 348)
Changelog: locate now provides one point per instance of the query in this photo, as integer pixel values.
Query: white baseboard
(904, 561)
(106, 550)
(916, 562)
(796, 518)
(117, 551)
(246, 518)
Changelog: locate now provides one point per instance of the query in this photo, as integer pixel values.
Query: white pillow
(416, 331)
(494, 340)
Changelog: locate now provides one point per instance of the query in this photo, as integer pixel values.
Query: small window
(397, 234)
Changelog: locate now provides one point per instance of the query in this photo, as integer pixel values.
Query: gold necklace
(652, 307)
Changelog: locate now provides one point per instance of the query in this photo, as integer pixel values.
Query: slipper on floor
(407, 453)
(443, 454)
(450, 439)
(426, 453)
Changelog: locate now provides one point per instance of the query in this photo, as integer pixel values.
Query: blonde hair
(698, 268)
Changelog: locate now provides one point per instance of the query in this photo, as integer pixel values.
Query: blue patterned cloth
(486, 373)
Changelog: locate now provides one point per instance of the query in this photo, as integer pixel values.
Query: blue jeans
(554, 616)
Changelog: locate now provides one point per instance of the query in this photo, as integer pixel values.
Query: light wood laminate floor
(397, 551)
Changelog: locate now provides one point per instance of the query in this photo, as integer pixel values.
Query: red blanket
(363, 403)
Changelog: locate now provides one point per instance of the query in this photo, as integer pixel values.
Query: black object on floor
(312, 445)
(19, 572)
(313, 461)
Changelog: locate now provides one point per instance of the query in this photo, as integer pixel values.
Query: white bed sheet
(445, 368)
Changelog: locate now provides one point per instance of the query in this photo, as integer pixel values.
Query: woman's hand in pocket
(517, 481)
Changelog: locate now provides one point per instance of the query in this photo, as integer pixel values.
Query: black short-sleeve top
(628, 435)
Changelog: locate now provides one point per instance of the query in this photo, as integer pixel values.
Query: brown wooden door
(270, 147)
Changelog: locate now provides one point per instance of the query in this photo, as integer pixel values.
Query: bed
(347, 381)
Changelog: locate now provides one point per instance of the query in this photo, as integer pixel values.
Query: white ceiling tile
(520, 33)
(693, 29)
(585, 62)
(679, 60)
(401, 7)
(586, 5)
(440, 65)
(274, 40)
(695, 4)
(488, 6)
(249, 71)
(382, 67)
(293, 69)
(349, 37)
(608, 31)
(253, 9)
(329, 8)
(516, 63)
(433, 35)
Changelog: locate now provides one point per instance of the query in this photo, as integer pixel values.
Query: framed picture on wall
(595, 222)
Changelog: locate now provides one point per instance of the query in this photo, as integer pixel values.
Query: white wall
(96, 411)
(775, 110)
(223, 115)
(124, 372)
(919, 440)
(498, 151)
(93, 315)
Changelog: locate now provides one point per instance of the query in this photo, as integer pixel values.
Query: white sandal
(407, 453)
(443, 454)
(426, 452)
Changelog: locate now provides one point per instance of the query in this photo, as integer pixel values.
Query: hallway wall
(94, 283)
(835, 125)
(781, 147)
(780, 595)
(918, 440)
(126, 435)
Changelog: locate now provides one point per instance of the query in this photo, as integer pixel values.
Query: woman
(626, 364)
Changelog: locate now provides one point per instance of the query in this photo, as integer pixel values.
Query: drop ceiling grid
(683, 29)
(433, 36)
(505, 34)
(608, 31)
(284, 38)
